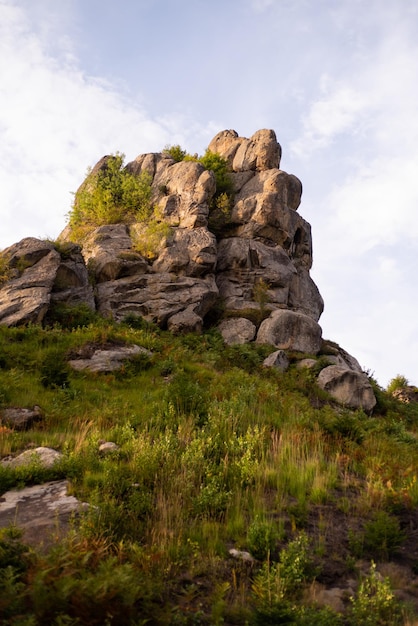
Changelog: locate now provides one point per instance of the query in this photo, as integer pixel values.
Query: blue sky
(336, 79)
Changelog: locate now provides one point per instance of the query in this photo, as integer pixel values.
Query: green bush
(175, 152)
(54, 370)
(261, 538)
(112, 195)
(375, 604)
(5, 270)
(70, 316)
(399, 382)
(383, 535)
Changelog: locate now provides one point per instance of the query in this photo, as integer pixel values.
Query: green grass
(215, 452)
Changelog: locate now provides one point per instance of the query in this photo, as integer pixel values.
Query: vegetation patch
(213, 452)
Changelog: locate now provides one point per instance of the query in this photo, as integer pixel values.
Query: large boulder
(183, 190)
(156, 297)
(349, 387)
(237, 330)
(256, 266)
(44, 512)
(109, 255)
(189, 252)
(260, 152)
(26, 297)
(289, 330)
(108, 359)
(72, 284)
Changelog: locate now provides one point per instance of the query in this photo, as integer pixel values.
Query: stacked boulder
(252, 276)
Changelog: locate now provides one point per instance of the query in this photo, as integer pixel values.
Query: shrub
(399, 382)
(375, 603)
(70, 316)
(175, 152)
(112, 195)
(219, 166)
(5, 270)
(261, 538)
(382, 535)
(54, 370)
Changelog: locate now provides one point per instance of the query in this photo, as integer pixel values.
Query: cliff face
(243, 266)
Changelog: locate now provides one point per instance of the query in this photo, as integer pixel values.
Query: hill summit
(188, 242)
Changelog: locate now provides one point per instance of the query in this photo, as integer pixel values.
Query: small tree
(112, 195)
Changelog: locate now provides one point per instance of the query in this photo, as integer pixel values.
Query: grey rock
(107, 447)
(241, 555)
(46, 457)
(349, 387)
(306, 363)
(108, 360)
(406, 394)
(109, 254)
(260, 152)
(156, 297)
(289, 330)
(25, 299)
(237, 330)
(72, 284)
(277, 359)
(189, 252)
(20, 418)
(43, 512)
(186, 321)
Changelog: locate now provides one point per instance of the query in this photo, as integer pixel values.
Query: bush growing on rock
(111, 195)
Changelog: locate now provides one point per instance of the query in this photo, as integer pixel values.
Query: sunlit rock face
(240, 260)
(256, 263)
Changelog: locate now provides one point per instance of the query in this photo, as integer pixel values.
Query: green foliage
(261, 538)
(70, 316)
(150, 236)
(375, 603)
(5, 269)
(54, 369)
(383, 536)
(213, 451)
(219, 166)
(175, 152)
(399, 382)
(112, 195)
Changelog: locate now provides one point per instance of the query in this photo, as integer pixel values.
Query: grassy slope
(215, 452)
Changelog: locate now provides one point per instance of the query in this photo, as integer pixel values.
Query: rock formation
(248, 262)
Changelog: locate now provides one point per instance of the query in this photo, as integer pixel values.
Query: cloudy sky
(336, 79)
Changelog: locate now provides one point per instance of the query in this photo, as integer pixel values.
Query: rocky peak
(241, 255)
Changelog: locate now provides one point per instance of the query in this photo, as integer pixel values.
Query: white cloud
(54, 122)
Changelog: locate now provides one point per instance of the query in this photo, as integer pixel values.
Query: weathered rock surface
(109, 255)
(20, 418)
(108, 360)
(156, 297)
(349, 387)
(42, 511)
(406, 394)
(255, 270)
(237, 330)
(289, 330)
(42, 276)
(27, 296)
(277, 359)
(46, 457)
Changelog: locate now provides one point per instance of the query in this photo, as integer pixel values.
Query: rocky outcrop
(40, 276)
(289, 330)
(20, 418)
(43, 512)
(108, 360)
(349, 387)
(249, 268)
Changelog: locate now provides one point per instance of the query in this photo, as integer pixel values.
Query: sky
(337, 80)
